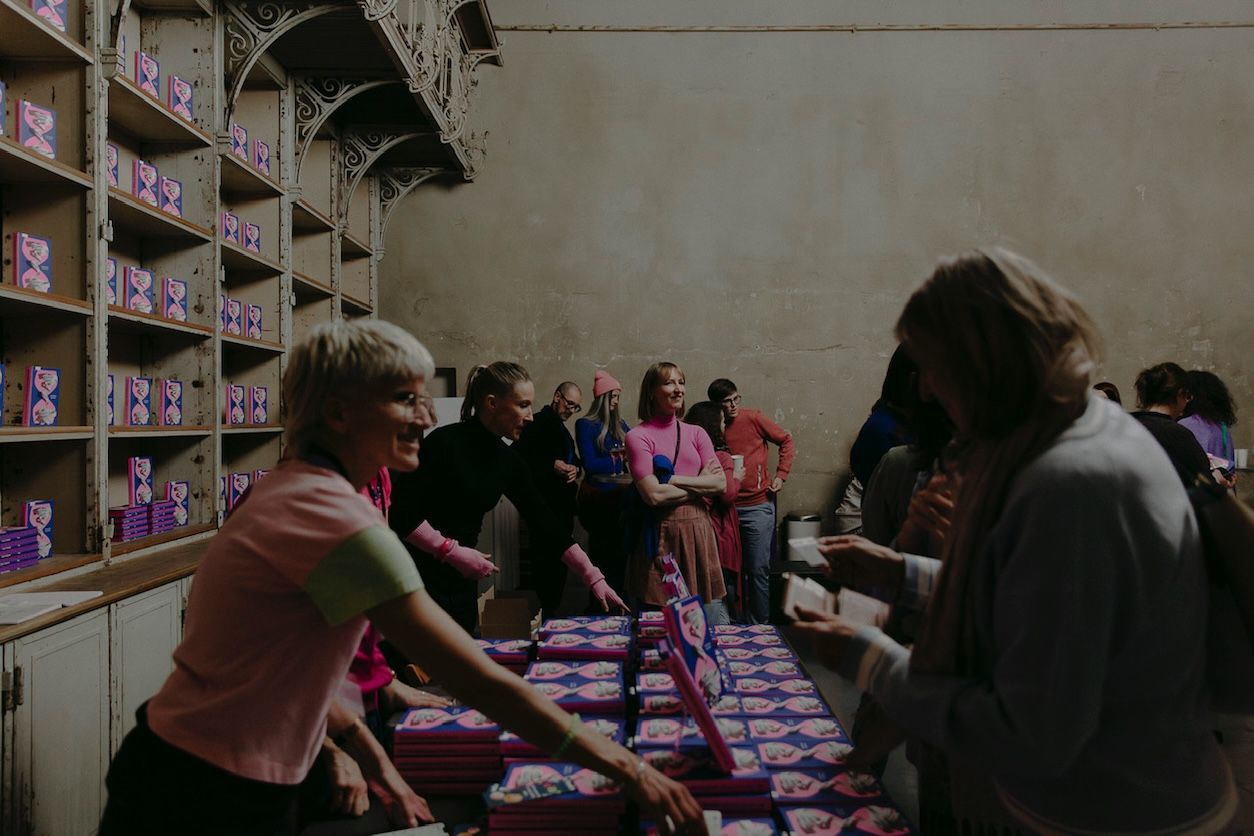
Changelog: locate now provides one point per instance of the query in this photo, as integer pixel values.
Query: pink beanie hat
(602, 382)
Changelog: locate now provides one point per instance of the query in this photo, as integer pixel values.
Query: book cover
(579, 646)
(758, 654)
(620, 624)
(252, 321)
(236, 412)
(42, 396)
(139, 289)
(37, 129)
(171, 196)
(784, 670)
(139, 479)
(845, 820)
(54, 12)
(598, 696)
(112, 164)
(769, 687)
(831, 785)
(170, 406)
(655, 682)
(692, 639)
(174, 299)
(258, 399)
(138, 402)
(234, 316)
(702, 773)
(179, 492)
(111, 281)
(230, 227)
(747, 629)
(239, 141)
(109, 400)
(760, 640)
(813, 729)
(696, 698)
(802, 753)
(259, 474)
(541, 671)
(144, 179)
(180, 97)
(671, 732)
(237, 486)
(457, 722)
(148, 74)
(612, 728)
(37, 513)
(784, 707)
(32, 262)
(252, 237)
(261, 156)
(506, 650)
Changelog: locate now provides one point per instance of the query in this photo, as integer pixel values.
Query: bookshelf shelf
(243, 180)
(306, 218)
(162, 432)
(30, 435)
(147, 118)
(20, 301)
(20, 166)
(230, 341)
(355, 307)
(178, 534)
(353, 247)
(147, 221)
(24, 35)
(238, 258)
(251, 429)
(123, 320)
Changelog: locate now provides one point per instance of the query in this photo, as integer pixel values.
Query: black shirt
(464, 471)
(1181, 445)
(544, 441)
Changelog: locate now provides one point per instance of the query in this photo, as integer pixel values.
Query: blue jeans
(757, 529)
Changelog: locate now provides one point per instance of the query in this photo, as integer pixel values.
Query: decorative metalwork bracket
(394, 185)
(376, 9)
(250, 27)
(317, 97)
(110, 55)
(360, 149)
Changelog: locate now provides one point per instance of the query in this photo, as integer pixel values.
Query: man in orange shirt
(748, 432)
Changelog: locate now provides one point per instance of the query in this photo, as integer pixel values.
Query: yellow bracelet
(571, 731)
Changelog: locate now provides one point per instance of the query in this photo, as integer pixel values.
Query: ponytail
(497, 379)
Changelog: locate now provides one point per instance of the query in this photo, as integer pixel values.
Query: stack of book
(839, 820)
(584, 687)
(538, 799)
(19, 547)
(744, 791)
(576, 645)
(130, 522)
(515, 749)
(161, 516)
(513, 654)
(447, 751)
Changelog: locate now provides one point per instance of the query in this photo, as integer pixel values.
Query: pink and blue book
(37, 513)
(112, 164)
(180, 94)
(37, 128)
(457, 722)
(774, 688)
(802, 753)
(757, 654)
(111, 281)
(140, 289)
(41, 397)
(234, 316)
(664, 705)
(808, 706)
(613, 728)
(179, 493)
(252, 237)
(259, 400)
(585, 646)
(109, 400)
(171, 196)
(840, 820)
(32, 262)
(811, 730)
(139, 407)
(261, 156)
(607, 624)
(230, 227)
(144, 181)
(236, 412)
(833, 785)
(148, 74)
(704, 774)
(174, 299)
(170, 403)
(693, 641)
(18, 543)
(236, 486)
(252, 321)
(139, 480)
(591, 791)
(780, 670)
(597, 696)
(239, 141)
(54, 12)
(508, 652)
(587, 671)
(684, 733)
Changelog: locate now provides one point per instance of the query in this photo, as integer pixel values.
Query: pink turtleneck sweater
(657, 436)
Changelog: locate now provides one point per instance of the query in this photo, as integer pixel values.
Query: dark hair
(1211, 398)
(498, 379)
(1110, 390)
(1159, 385)
(708, 415)
(719, 389)
(900, 381)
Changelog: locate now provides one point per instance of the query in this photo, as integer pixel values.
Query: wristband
(446, 548)
(572, 731)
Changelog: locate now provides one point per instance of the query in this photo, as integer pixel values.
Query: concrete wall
(758, 204)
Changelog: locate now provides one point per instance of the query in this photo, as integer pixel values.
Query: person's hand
(777, 485)
(668, 803)
(857, 563)
(567, 471)
(928, 517)
(828, 633)
(607, 597)
(404, 807)
(470, 563)
(399, 696)
(349, 795)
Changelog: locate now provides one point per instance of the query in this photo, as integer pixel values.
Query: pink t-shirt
(657, 437)
(275, 615)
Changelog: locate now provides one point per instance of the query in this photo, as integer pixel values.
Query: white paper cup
(738, 464)
(1243, 456)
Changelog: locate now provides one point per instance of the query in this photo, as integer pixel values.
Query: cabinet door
(145, 631)
(61, 728)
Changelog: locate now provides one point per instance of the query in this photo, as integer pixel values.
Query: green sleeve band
(369, 568)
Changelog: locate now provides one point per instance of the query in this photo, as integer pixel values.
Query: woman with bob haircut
(438, 510)
(1210, 416)
(282, 597)
(1061, 661)
(1162, 396)
(674, 468)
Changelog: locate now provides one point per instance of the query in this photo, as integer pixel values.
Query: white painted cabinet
(144, 631)
(60, 728)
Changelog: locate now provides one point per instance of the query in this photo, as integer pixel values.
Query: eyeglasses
(571, 405)
(734, 400)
